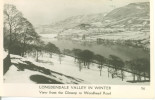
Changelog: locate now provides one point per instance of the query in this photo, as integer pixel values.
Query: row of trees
(87, 57)
(20, 36)
(139, 68)
(116, 66)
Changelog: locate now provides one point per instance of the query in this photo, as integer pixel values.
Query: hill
(128, 23)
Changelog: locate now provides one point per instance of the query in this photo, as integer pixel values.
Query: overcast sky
(40, 12)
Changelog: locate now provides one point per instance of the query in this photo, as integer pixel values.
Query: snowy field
(27, 70)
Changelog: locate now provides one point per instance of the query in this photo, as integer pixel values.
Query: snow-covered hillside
(50, 71)
(130, 22)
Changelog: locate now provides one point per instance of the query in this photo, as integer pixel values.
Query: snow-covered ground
(67, 72)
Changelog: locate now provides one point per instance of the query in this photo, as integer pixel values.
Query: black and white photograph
(76, 42)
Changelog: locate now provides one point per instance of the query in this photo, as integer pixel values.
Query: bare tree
(76, 53)
(87, 57)
(11, 22)
(117, 64)
(101, 60)
(37, 45)
(18, 31)
(78, 57)
(139, 68)
(27, 34)
(132, 66)
(51, 48)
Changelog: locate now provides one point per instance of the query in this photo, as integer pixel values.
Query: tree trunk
(100, 70)
(23, 50)
(84, 63)
(75, 59)
(50, 55)
(80, 67)
(112, 75)
(134, 77)
(10, 43)
(88, 64)
(37, 56)
(24, 44)
(144, 76)
(139, 78)
(108, 71)
(116, 70)
(60, 58)
(122, 75)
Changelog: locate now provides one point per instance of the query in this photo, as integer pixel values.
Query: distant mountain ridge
(131, 10)
(130, 22)
(131, 15)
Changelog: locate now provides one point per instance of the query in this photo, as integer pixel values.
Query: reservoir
(124, 52)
